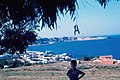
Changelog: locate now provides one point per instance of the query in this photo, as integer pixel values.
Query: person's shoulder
(77, 69)
(80, 71)
(70, 70)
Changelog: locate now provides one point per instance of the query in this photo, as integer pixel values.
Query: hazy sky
(92, 20)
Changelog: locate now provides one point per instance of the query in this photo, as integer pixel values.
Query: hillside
(57, 71)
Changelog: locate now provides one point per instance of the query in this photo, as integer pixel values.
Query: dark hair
(74, 62)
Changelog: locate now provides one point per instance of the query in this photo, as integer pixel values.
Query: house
(108, 59)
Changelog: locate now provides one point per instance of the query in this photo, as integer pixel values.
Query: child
(74, 73)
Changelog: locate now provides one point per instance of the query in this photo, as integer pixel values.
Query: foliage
(15, 40)
(110, 67)
(47, 11)
(19, 19)
(104, 2)
(13, 63)
(86, 58)
(2, 63)
(85, 67)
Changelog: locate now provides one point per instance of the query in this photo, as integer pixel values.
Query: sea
(91, 48)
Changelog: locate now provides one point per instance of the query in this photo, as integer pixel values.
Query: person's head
(73, 64)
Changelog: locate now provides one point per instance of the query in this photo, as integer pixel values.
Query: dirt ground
(57, 71)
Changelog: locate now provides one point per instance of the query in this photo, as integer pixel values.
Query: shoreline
(80, 39)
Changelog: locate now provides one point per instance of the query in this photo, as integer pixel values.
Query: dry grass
(57, 71)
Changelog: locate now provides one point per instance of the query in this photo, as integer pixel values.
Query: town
(32, 57)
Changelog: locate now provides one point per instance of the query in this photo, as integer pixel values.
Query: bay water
(109, 46)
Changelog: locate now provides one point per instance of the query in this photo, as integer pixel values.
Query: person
(74, 73)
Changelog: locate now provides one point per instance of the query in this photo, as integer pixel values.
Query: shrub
(86, 58)
(85, 67)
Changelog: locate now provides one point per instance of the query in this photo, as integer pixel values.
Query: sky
(92, 20)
